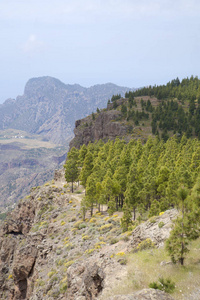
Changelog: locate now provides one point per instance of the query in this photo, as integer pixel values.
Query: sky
(131, 43)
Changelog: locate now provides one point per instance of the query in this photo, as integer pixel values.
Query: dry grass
(145, 267)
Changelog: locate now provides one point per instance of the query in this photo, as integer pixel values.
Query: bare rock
(151, 230)
(85, 281)
(23, 268)
(105, 127)
(21, 220)
(93, 281)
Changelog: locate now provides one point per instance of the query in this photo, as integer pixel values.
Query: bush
(161, 224)
(114, 241)
(146, 244)
(69, 263)
(165, 285)
(105, 228)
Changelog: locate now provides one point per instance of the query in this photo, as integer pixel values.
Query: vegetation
(169, 109)
(165, 285)
(144, 180)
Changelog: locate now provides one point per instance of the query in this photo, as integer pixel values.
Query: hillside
(48, 252)
(49, 107)
(160, 111)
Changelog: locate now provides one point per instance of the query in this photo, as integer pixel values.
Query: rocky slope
(48, 252)
(50, 107)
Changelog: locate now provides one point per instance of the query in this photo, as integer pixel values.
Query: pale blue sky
(128, 42)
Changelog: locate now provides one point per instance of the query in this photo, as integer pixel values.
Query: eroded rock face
(86, 282)
(151, 230)
(22, 268)
(146, 294)
(93, 281)
(104, 127)
(21, 220)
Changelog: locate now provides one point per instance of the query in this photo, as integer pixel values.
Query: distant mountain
(50, 107)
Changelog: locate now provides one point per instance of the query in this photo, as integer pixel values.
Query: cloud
(33, 45)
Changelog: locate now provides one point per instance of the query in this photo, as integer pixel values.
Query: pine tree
(126, 220)
(71, 167)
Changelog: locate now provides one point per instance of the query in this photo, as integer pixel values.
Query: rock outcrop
(105, 126)
(153, 231)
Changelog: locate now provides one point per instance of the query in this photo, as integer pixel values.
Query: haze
(128, 42)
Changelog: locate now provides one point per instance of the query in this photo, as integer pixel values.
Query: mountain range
(50, 108)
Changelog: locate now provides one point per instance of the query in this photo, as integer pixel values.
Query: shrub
(53, 279)
(125, 238)
(51, 273)
(105, 228)
(63, 288)
(85, 237)
(93, 220)
(69, 246)
(89, 251)
(114, 241)
(81, 226)
(165, 285)
(146, 244)
(152, 220)
(77, 224)
(120, 254)
(161, 224)
(69, 263)
(122, 261)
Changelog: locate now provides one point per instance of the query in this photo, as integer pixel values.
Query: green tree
(186, 227)
(87, 168)
(71, 168)
(126, 220)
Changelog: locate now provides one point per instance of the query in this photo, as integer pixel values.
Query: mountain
(50, 108)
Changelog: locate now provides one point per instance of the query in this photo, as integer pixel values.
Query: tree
(87, 168)
(126, 220)
(71, 171)
(186, 226)
(90, 193)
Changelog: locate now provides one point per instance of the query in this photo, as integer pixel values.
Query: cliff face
(105, 126)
